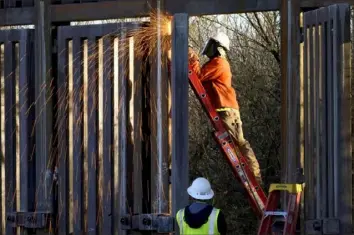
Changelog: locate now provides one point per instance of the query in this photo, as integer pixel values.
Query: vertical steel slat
(24, 127)
(16, 133)
(107, 136)
(311, 155)
(336, 79)
(344, 142)
(115, 145)
(316, 115)
(179, 77)
(62, 126)
(305, 77)
(329, 115)
(122, 110)
(323, 112)
(3, 139)
(137, 135)
(2, 144)
(10, 127)
(77, 135)
(92, 142)
(24, 121)
(154, 138)
(100, 172)
(31, 115)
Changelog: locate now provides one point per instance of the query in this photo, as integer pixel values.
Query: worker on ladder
(216, 77)
(201, 217)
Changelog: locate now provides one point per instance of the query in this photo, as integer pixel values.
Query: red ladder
(290, 216)
(232, 154)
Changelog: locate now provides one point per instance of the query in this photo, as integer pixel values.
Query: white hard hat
(200, 189)
(223, 39)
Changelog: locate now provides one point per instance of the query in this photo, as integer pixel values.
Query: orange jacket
(216, 77)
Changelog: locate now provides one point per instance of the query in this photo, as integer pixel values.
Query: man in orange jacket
(216, 78)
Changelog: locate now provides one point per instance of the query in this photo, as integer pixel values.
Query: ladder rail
(253, 192)
(266, 222)
(290, 216)
(293, 213)
(230, 151)
(241, 171)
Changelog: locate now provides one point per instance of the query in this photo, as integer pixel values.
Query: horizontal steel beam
(28, 219)
(17, 16)
(138, 8)
(160, 223)
(323, 226)
(99, 10)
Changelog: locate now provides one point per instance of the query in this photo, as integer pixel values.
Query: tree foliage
(255, 61)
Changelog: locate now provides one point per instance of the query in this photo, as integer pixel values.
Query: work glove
(192, 56)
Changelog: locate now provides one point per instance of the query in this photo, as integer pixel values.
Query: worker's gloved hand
(192, 56)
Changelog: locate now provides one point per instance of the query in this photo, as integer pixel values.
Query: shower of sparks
(147, 36)
(85, 97)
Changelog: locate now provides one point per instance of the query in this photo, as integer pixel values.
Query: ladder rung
(276, 213)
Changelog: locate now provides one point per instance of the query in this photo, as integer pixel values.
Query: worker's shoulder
(220, 62)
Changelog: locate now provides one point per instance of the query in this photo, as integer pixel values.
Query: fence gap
(3, 139)
(85, 133)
